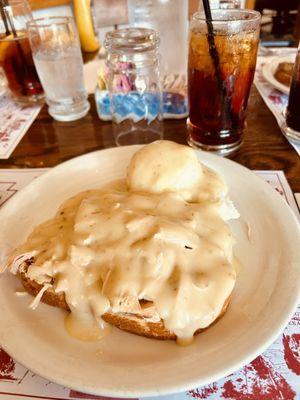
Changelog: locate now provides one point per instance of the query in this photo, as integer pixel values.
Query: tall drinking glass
(58, 60)
(218, 88)
(291, 127)
(15, 54)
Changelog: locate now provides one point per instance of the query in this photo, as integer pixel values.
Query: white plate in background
(269, 70)
(125, 365)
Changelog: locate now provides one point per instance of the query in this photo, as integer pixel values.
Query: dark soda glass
(17, 63)
(217, 115)
(293, 109)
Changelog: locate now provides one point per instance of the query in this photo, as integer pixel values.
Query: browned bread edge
(124, 321)
(284, 73)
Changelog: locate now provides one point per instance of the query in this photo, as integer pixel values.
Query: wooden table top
(48, 143)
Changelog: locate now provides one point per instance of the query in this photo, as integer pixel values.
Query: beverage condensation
(211, 122)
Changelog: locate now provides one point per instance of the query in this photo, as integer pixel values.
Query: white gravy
(108, 249)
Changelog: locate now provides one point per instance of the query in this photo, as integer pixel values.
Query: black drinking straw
(2, 4)
(216, 61)
(9, 20)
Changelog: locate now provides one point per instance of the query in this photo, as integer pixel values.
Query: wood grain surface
(48, 143)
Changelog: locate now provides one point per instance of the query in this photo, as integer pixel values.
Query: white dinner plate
(125, 365)
(269, 70)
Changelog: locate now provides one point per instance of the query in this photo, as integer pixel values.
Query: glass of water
(58, 60)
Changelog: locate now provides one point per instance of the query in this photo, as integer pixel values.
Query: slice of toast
(132, 323)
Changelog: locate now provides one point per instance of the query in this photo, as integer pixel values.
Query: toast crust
(127, 322)
(284, 73)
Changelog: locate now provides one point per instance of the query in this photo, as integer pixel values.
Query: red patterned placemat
(274, 375)
(14, 123)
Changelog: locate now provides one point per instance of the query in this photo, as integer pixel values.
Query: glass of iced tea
(15, 53)
(219, 87)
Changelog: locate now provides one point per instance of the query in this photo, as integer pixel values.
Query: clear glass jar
(134, 85)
